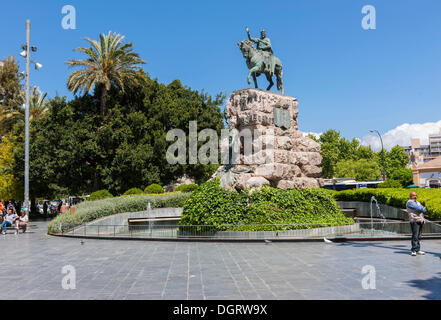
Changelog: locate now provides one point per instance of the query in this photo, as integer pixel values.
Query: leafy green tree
(360, 170)
(72, 151)
(394, 159)
(312, 137)
(10, 188)
(109, 62)
(403, 175)
(390, 184)
(10, 94)
(364, 152)
(334, 149)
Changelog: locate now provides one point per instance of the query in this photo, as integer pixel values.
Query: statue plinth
(282, 157)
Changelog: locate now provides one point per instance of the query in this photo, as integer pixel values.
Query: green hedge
(186, 187)
(211, 204)
(133, 191)
(154, 188)
(100, 194)
(430, 198)
(91, 210)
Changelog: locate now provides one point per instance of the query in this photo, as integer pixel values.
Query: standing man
(416, 213)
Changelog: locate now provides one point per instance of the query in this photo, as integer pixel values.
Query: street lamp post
(26, 173)
(27, 54)
(382, 154)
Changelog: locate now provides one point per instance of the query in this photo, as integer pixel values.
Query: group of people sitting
(10, 218)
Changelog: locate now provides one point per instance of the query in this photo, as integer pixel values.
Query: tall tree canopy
(73, 151)
(346, 155)
(11, 97)
(10, 188)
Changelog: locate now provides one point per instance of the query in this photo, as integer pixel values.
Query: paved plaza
(31, 268)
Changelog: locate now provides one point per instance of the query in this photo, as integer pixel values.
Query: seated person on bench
(8, 220)
(21, 222)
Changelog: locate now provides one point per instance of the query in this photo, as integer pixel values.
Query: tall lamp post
(26, 53)
(382, 153)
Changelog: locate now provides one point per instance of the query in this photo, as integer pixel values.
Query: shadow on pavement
(401, 249)
(433, 285)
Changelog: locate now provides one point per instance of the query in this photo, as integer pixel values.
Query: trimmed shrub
(100, 194)
(430, 198)
(91, 210)
(211, 204)
(186, 187)
(133, 191)
(390, 184)
(154, 188)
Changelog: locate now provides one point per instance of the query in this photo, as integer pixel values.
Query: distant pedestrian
(63, 208)
(416, 213)
(45, 208)
(11, 205)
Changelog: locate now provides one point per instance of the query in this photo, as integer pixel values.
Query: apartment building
(420, 154)
(425, 161)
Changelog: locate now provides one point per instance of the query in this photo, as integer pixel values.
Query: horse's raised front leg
(252, 71)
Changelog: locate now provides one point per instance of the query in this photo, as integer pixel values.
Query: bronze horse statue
(259, 62)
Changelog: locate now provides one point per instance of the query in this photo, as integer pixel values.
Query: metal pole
(382, 154)
(26, 173)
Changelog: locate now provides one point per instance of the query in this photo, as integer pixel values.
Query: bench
(13, 228)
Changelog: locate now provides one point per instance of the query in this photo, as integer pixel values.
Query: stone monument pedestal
(281, 156)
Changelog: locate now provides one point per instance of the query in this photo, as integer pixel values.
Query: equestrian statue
(260, 60)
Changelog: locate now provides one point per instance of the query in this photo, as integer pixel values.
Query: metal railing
(378, 229)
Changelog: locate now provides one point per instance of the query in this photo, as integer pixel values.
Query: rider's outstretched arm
(255, 40)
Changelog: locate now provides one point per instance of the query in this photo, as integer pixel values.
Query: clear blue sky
(345, 77)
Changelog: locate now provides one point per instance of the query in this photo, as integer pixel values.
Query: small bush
(133, 191)
(390, 184)
(154, 188)
(186, 187)
(100, 194)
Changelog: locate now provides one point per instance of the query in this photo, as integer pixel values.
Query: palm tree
(109, 62)
(37, 104)
(9, 115)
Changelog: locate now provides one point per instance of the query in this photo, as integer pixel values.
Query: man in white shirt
(416, 213)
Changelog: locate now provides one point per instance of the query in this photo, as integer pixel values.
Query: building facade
(420, 154)
(428, 174)
(425, 161)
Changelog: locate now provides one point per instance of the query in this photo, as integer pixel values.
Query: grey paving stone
(178, 270)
